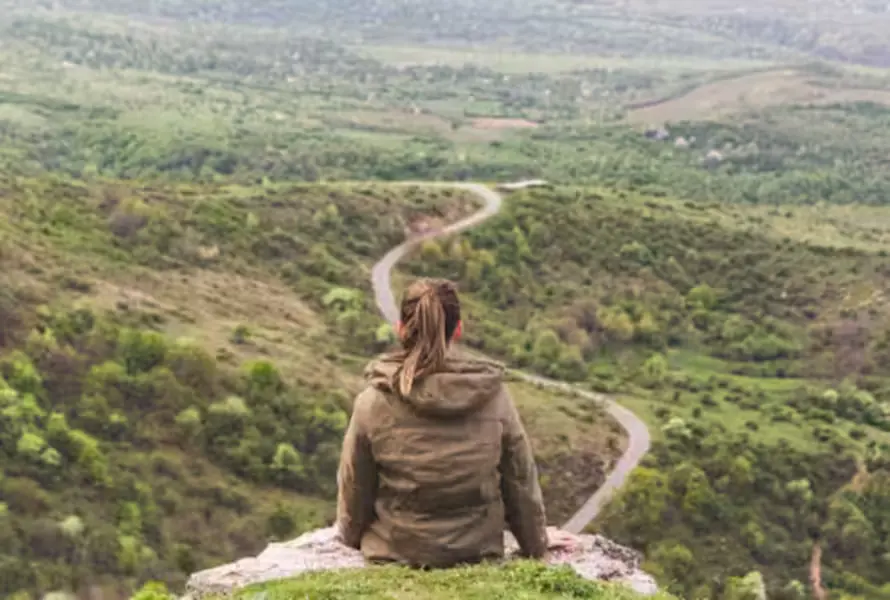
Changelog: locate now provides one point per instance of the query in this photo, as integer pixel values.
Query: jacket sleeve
(356, 476)
(523, 502)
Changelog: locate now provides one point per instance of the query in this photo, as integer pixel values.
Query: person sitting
(435, 459)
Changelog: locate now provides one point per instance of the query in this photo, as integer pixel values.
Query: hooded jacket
(433, 478)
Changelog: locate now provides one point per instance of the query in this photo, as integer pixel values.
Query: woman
(435, 460)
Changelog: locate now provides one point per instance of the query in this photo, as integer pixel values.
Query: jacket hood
(463, 385)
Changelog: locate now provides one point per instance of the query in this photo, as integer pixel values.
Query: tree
(616, 322)
(641, 504)
(749, 587)
(344, 299)
(702, 296)
(672, 562)
(547, 349)
(288, 463)
(654, 370)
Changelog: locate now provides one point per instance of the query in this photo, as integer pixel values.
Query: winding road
(638, 433)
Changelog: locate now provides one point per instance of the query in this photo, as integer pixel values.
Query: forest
(185, 304)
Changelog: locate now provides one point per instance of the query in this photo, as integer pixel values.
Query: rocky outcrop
(595, 558)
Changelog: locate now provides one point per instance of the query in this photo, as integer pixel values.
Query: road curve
(638, 433)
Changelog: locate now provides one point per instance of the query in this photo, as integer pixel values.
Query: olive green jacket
(434, 478)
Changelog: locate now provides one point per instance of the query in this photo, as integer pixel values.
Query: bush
(194, 367)
(708, 400)
(153, 590)
(240, 335)
(263, 379)
(130, 217)
(189, 422)
(21, 374)
(141, 351)
(654, 370)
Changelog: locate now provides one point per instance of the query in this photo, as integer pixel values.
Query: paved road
(638, 434)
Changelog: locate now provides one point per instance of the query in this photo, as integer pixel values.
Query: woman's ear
(400, 330)
(458, 331)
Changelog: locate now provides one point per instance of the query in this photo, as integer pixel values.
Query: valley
(194, 196)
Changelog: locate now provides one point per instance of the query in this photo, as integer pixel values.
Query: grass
(720, 412)
(520, 581)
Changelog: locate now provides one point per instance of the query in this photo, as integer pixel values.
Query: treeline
(799, 162)
(550, 26)
(281, 64)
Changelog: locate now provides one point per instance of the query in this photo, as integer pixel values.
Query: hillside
(229, 99)
(177, 363)
(850, 30)
(751, 340)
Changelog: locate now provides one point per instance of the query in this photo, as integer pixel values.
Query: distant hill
(849, 31)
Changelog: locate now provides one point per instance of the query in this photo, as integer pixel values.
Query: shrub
(129, 218)
(263, 379)
(189, 421)
(232, 406)
(153, 590)
(193, 367)
(287, 460)
(240, 335)
(32, 447)
(702, 296)
(72, 526)
(708, 400)
(654, 370)
(133, 554)
(24, 496)
(21, 374)
(89, 456)
(858, 433)
(281, 523)
(141, 351)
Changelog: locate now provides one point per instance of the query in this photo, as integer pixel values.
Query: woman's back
(435, 459)
(451, 462)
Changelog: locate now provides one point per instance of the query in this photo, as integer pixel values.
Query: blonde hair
(430, 313)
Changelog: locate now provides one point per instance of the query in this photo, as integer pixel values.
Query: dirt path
(638, 433)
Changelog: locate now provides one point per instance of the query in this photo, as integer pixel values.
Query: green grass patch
(520, 581)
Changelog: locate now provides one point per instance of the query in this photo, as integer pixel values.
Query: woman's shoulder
(381, 371)
(368, 399)
(461, 359)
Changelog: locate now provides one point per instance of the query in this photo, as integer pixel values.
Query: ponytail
(430, 314)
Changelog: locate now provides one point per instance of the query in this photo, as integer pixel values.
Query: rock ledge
(596, 558)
